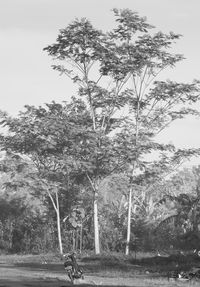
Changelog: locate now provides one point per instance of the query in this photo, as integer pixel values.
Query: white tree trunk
(58, 225)
(59, 234)
(96, 223)
(57, 210)
(129, 222)
(96, 226)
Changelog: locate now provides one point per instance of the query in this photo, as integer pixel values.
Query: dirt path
(32, 275)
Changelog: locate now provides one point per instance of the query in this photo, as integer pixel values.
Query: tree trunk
(133, 172)
(96, 226)
(57, 210)
(129, 222)
(58, 225)
(59, 234)
(95, 210)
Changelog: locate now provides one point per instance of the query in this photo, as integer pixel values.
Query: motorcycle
(72, 268)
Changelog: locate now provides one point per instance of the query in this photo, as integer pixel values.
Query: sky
(27, 26)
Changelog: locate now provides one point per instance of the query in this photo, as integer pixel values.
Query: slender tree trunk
(58, 225)
(129, 222)
(130, 209)
(95, 210)
(59, 234)
(96, 225)
(57, 210)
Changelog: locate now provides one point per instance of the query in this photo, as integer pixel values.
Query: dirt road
(52, 275)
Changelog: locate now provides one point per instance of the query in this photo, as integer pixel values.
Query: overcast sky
(27, 26)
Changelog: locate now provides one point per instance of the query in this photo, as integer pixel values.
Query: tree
(81, 47)
(116, 73)
(46, 137)
(153, 105)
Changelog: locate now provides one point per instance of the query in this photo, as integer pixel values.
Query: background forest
(89, 174)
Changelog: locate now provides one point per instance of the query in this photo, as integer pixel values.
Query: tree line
(82, 172)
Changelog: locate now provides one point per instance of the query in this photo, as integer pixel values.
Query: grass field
(105, 270)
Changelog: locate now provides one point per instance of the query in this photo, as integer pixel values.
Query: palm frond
(168, 220)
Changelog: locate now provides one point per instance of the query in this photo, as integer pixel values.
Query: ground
(42, 271)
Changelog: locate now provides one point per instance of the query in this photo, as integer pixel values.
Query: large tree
(80, 46)
(116, 73)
